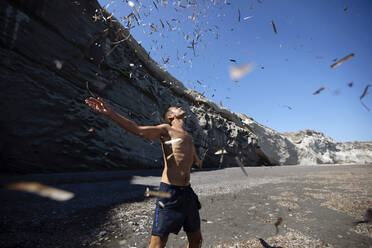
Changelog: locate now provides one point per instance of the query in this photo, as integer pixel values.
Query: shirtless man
(182, 208)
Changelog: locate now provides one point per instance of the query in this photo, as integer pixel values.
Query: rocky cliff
(307, 147)
(54, 54)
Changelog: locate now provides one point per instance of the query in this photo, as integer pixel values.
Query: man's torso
(178, 157)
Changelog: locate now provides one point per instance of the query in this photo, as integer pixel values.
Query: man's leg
(158, 242)
(195, 239)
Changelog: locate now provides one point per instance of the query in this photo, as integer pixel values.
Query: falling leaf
(131, 4)
(274, 27)
(169, 156)
(153, 28)
(239, 15)
(162, 24)
(289, 107)
(247, 17)
(319, 90)
(364, 105)
(342, 60)
(155, 5)
(58, 64)
(165, 60)
(221, 151)
(112, 49)
(157, 193)
(42, 190)
(233, 60)
(365, 91)
(278, 223)
(345, 8)
(172, 141)
(90, 92)
(237, 72)
(170, 27)
(350, 84)
(241, 165)
(192, 46)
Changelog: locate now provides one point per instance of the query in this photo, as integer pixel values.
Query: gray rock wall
(50, 52)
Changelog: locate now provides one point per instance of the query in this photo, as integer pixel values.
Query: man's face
(178, 112)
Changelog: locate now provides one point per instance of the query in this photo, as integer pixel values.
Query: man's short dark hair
(165, 115)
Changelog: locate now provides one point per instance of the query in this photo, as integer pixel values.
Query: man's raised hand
(99, 106)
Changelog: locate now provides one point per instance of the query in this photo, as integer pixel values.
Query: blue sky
(289, 66)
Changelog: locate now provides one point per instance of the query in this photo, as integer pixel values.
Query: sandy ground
(317, 205)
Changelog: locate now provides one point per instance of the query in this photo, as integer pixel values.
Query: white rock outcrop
(307, 147)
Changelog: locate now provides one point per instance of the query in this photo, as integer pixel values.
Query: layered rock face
(308, 147)
(55, 54)
(52, 52)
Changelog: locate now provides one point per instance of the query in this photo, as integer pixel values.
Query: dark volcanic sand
(318, 205)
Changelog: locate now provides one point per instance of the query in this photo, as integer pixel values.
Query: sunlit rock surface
(52, 52)
(307, 147)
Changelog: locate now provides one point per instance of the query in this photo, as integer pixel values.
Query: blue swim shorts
(180, 210)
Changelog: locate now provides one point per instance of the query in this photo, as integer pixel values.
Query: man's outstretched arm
(149, 132)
